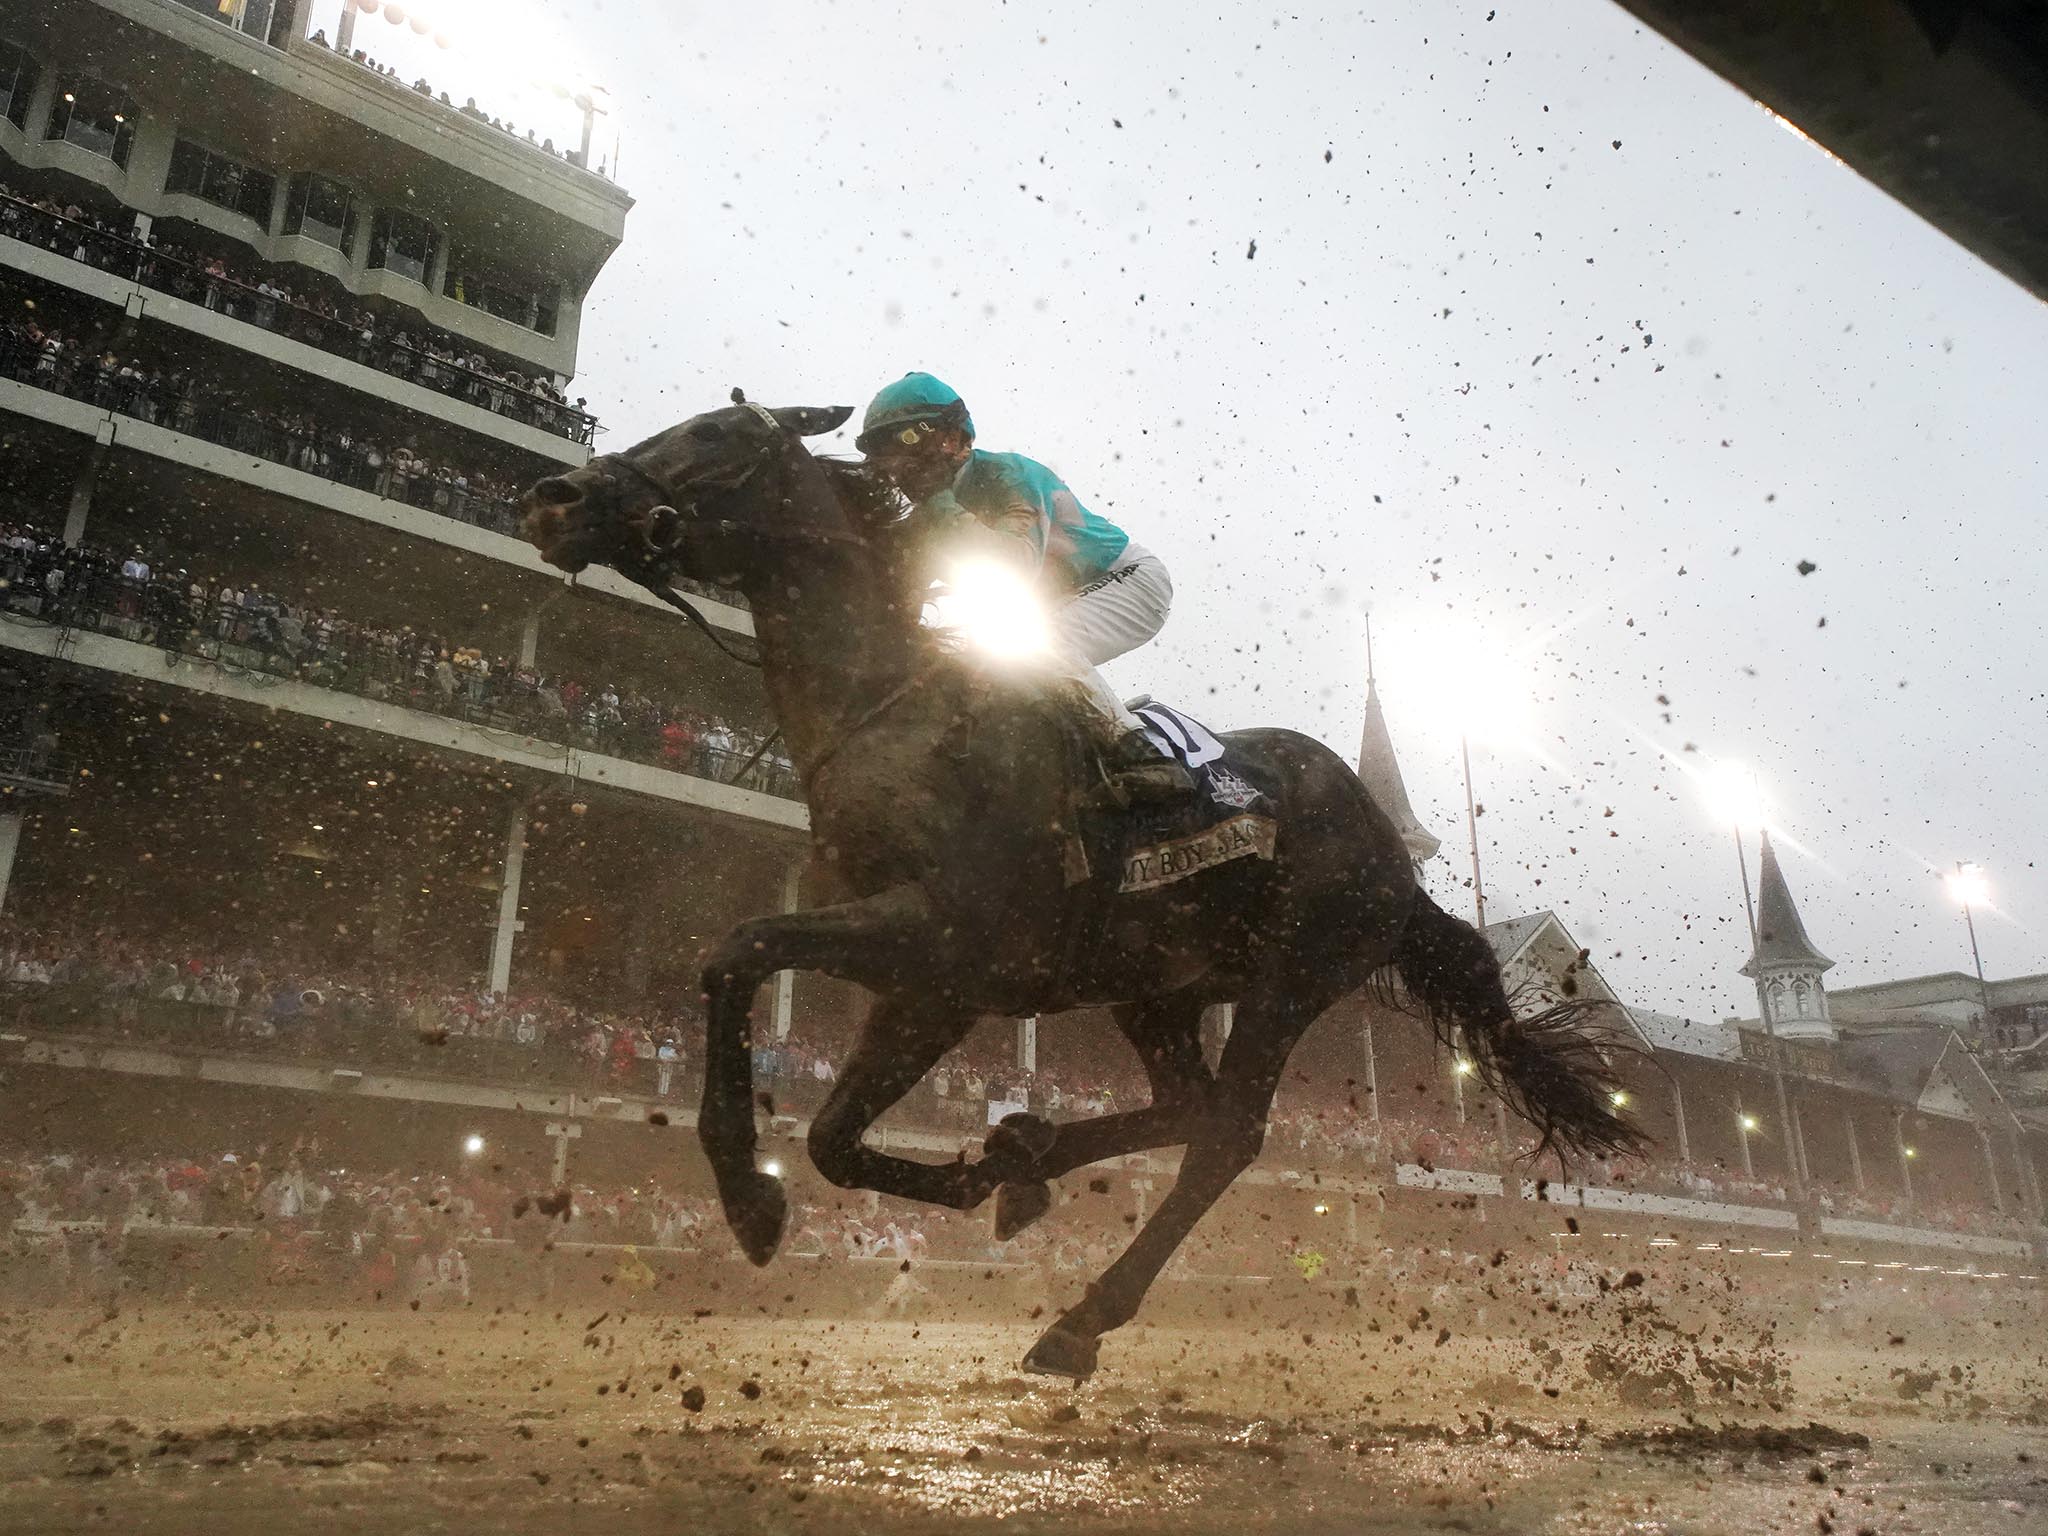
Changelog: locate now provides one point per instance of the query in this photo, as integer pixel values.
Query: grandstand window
(94, 116)
(18, 73)
(322, 210)
(250, 16)
(226, 183)
(522, 300)
(403, 243)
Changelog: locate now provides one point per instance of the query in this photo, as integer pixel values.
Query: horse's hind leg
(1166, 1034)
(902, 1040)
(1226, 1140)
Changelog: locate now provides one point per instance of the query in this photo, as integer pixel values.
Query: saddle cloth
(1231, 815)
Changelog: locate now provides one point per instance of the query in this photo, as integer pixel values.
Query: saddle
(1232, 814)
(1114, 855)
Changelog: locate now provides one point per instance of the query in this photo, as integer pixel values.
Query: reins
(888, 702)
(665, 496)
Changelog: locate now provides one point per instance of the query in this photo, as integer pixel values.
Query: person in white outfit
(1109, 593)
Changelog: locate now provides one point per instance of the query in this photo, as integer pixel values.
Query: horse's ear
(810, 420)
(556, 491)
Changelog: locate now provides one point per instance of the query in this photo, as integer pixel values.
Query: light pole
(1970, 888)
(1478, 688)
(1472, 830)
(1740, 801)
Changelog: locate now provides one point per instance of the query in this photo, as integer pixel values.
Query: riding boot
(1140, 774)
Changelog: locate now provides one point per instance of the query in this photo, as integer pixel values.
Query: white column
(508, 901)
(529, 634)
(80, 505)
(1027, 1044)
(1905, 1161)
(10, 843)
(1991, 1167)
(1372, 1071)
(40, 102)
(785, 981)
(1855, 1152)
(2030, 1183)
(387, 923)
(563, 1132)
(1678, 1113)
(1742, 1130)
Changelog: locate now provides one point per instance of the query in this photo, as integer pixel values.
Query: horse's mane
(874, 506)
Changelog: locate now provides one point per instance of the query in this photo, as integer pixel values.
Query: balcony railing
(179, 404)
(402, 668)
(34, 768)
(327, 333)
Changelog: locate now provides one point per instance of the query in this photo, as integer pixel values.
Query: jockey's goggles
(908, 436)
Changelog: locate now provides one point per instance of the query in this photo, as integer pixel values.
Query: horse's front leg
(903, 1038)
(871, 941)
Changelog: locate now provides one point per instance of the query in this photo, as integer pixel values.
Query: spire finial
(1368, 649)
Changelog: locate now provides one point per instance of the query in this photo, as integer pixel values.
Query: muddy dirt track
(226, 1422)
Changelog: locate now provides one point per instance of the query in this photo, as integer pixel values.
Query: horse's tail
(1551, 1069)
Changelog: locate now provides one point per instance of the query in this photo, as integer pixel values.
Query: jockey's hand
(966, 539)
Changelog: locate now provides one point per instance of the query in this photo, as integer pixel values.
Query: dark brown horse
(942, 798)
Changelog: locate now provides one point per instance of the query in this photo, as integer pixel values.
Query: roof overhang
(1941, 103)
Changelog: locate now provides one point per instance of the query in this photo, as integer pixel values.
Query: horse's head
(677, 503)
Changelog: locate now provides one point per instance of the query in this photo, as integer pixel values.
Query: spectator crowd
(200, 404)
(252, 1003)
(135, 597)
(284, 1219)
(226, 998)
(256, 292)
(422, 87)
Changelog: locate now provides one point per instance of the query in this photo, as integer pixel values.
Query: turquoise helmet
(916, 399)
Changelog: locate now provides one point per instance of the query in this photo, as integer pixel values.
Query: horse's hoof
(1018, 1141)
(1019, 1205)
(1061, 1351)
(756, 1215)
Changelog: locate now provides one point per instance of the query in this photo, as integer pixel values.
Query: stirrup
(1163, 783)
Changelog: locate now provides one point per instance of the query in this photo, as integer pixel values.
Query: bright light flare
(1472, 687)
(472, 1144)
(1734, 797)
(1463, 1067)
(1749, 1122)
(994, 608)
(1968, 886)
(772, 1168)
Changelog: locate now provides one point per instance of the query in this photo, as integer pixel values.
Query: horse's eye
(707, 432)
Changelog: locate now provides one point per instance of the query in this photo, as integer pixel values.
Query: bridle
(664, 496)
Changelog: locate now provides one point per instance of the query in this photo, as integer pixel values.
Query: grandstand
(266, 399)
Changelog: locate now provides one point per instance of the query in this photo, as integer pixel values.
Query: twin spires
(1381, 774)
(1785, 965)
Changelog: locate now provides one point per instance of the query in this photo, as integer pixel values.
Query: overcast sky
(1552, 345)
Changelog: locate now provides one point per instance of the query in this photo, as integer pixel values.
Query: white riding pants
(1115, 613)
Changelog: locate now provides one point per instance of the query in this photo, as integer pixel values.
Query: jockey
(1111, 594)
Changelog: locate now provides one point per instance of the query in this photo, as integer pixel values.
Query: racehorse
(943, 797)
